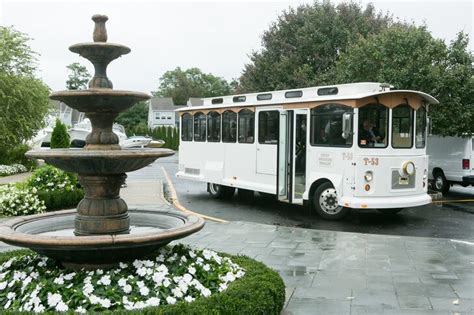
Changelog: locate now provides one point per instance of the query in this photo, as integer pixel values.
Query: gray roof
(163, 103)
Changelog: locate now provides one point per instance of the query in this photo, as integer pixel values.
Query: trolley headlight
(368, 176)
(425, 174)
(408, 168)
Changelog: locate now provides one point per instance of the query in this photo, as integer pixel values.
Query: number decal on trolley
(347, 156)
(371, 161)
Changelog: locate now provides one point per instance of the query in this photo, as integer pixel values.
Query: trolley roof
(341, 92)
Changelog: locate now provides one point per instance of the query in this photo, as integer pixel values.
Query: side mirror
(346, 125)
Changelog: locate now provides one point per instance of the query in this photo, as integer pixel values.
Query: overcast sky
(214, 36)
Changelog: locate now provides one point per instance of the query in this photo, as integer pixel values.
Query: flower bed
(7, 170)
(15, 201)
(176, 280)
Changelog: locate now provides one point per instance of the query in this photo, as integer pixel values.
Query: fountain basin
(99, 100)
(50, 234)
(102, 162)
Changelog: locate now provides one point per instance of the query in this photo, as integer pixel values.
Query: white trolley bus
(360, 145)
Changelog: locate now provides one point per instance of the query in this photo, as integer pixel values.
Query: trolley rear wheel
(219, 191)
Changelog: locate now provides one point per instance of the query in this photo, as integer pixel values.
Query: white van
(451, 161)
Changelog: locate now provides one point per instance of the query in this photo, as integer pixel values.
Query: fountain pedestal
(101, 232)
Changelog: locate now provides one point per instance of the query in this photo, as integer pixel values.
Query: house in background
(161, 112)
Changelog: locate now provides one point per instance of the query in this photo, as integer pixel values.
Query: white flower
(229, 277)
(99, 272)
(140, 305)
(140, 284)
(127, 288)
(39, 308)
(137, 263)
(88, 288)
(122, 282)
(189, 298)
(153, 301)
(123, 266)
(61, 307)
(105, 280)
(144, 291)
(192, 254)
(205, 292)
(69, 276)
(222, 287)
(192, 270)
(7, 305)
(170, 300)
(206, 267)
(3, 285)
(184, 259)
(141, 271)
(11, 295)
(187, 277)
(59, 280)
(80, 310)
(54, 299)
(105, 303)
(148, 263)
(177, 292)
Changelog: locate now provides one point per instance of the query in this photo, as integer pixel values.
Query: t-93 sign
(371, 161)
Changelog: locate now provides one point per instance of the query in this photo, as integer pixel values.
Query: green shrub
(55, 200)
(60, 138)
(15, 201)
(16, 155)
(50, 178)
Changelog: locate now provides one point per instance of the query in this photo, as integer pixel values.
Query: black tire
(219, 191)
(325, 203)
(440, 183)
(390, 211)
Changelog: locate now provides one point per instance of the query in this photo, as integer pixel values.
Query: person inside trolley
(368, 136)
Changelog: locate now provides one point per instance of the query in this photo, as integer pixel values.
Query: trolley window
(326, 126)
(199, 127)
(402, 127)
(420, 141)
(373, 126)
(229, 126)
(213, 127)
(268, 127)
(187, 127)
(246, 126)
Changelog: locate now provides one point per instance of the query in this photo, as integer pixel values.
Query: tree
(78, 78)
(60, 137)
(181, 85)
(23, 98)
(304, 43)
(134, 116)
(410, 58)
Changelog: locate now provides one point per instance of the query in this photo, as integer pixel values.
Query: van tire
(440, 183)
(219, 191)
(325, 203)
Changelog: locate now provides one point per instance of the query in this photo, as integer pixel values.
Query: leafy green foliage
(181, 85)
(136, 116)
(410, 58)
(23, 98)
(60, 137)
(304, 44)
(19, 201)
(78, 78)
(55, 200)
(16, 154)
(50, 178)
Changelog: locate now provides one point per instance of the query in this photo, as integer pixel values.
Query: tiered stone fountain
(102, 232)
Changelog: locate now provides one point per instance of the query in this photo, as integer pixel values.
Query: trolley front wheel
(325, 203)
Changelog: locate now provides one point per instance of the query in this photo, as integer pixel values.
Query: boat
(79, 132)
(155, 144)
(136, 142)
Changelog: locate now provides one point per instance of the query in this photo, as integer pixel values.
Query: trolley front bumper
(385, 202)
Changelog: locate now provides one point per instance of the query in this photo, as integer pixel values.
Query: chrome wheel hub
(328, 201)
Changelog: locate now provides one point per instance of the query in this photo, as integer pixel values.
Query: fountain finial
(100, 32)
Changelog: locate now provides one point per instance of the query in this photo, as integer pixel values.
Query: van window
(420, 139)
(199, 127)
(326, 126)
(402, 127)
(187, 127)
(213, 127)
(373, 126)
(229, 126)
(246, 126)
(268, 127)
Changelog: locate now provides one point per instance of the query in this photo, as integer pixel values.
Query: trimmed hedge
(260, 291)
(54, 200)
